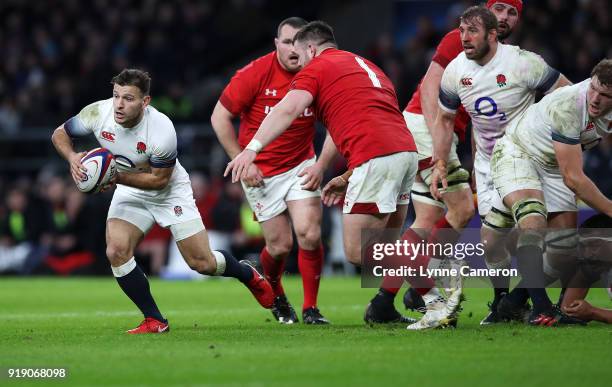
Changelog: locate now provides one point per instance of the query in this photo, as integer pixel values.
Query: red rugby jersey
(252, 92)
(357, 103)
(448, 49)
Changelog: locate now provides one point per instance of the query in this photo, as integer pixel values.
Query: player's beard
(503, 34)
(480, 52)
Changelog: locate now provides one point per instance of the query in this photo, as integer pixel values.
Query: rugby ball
(101, 168)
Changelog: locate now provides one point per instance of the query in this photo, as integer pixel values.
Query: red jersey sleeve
(240, 92)
(307, 79)
(448, 49)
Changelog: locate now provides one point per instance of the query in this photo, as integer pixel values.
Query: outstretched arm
(279, 119)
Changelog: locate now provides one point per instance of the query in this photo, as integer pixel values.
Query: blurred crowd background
(59, 56)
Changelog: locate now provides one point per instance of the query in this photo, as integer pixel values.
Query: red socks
(273, 270)
(310, 263)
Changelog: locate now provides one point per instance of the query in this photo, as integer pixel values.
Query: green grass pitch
(220, 336)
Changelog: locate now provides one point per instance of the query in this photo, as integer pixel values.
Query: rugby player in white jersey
(537, 166)
(495, 83)
(152, 187)
(431, 219)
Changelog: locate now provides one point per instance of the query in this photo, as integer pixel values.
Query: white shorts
(270, 200)
(485, 189)
(143, 213)
(513, 169)
(422, 137)
(380, 184)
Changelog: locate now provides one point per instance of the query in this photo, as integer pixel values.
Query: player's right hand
(239, 165)
(254, 177)
(438, 175)
(77, 170)
(334, 191)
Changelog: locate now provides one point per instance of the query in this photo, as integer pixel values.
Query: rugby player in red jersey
(282, 185)
(357, 103)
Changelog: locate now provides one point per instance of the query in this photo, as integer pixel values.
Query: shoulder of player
(159, 119)
(458, 63)
(258, 66)
(96, 111)
(452, 37)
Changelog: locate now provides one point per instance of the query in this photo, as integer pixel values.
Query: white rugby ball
(101, 168)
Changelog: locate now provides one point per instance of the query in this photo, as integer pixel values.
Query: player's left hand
(239, 166)
(438, 175)
(314, 176)
(334, 191)
(579, 309)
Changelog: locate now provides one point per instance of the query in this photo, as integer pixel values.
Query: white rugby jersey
(151, 143)
(560, 116)
(496, 93)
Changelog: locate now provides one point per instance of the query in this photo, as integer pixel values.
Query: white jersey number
(371, 74)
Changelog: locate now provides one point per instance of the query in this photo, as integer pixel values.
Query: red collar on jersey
(518, 4)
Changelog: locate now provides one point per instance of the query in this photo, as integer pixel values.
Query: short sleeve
(85, 122)
(164, 151)
(448, 49)
(307, 79)
(239, 93)
(449, 99)
(565, 122)
(539, 75)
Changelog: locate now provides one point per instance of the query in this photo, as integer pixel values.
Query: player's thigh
(380, 184)
(306, 217)
(122, 237)
(277, 234)
(518, 182)
(353, 225)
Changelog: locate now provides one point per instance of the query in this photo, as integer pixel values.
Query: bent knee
(310, 238)
(461, 215)
(202, 263)
(118, 254)
(280, 247)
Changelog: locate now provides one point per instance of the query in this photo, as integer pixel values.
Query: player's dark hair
(318, 32)
(480, 14)
(133, 77)
(295, 22)
(603, 71)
